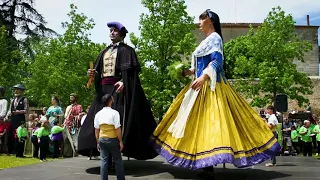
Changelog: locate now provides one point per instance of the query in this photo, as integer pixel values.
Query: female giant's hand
(198, 83)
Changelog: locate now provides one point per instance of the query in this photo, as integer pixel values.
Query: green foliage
(60, 65)
(9, 69)
(175, 71)
(268, 55)
(166, 37)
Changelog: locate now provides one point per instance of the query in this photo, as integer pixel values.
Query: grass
(10, 161)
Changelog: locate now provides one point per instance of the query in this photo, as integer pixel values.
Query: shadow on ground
(145, 168)
(287, 165)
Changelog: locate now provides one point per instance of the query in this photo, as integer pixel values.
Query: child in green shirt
(57, 137)
(299, 125)
(316, 131)
(34, 140)
(43, 139)
(295, 139)
(22, 135)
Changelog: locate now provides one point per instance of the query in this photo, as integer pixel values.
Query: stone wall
(314, 98)
(308, 33)
(311, 64)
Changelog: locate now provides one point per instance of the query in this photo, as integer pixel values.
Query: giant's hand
(91, 72)
(198, 83)
(119, 86)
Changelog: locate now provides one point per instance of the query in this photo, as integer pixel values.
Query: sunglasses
(210, 14)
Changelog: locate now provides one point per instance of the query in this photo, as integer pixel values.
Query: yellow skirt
(221, 128)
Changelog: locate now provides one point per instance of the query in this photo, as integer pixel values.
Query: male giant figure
(117, 67)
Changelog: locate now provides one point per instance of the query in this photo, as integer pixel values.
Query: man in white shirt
(272, 124)
(109, 137)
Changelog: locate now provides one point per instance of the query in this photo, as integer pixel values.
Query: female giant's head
(209, 21)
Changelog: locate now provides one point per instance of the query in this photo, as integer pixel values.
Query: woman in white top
(109, 138)
(3, 103)
(43, 116)
(3, 112)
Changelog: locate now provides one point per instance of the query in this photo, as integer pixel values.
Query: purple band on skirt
(57, 137)
(218, 158)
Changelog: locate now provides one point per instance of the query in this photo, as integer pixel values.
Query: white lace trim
(178, 126)
(211, 72)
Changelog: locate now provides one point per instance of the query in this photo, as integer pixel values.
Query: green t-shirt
(22, 132)
(306, 137)
(56, 129)
(35, 133)
(295, 136)
(312, 126)
(298, 130)
(316, 129)
(42, 132)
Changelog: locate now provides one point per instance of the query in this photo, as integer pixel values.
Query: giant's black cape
(139, 122)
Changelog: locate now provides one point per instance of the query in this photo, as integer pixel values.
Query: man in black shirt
(286, 134)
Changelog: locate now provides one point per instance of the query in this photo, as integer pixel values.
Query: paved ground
(288, 168)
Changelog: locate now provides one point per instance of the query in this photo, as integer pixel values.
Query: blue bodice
(217, 64)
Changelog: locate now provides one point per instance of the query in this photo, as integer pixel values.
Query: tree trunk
(274, 98)
(12, 19)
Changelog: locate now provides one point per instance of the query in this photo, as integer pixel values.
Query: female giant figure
(209, 123)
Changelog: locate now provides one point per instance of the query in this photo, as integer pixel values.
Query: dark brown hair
(56, 98)
(271, 108)
(216, 25)
(215, 20)
(2, 91)
(106, 99)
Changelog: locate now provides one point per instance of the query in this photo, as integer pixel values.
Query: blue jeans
(107, 146)
(274, 159)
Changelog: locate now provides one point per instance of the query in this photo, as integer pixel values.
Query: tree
(9, 72)
(166, 37)
(20, 17)
(60, 65)
(234, 49)
(268, 55)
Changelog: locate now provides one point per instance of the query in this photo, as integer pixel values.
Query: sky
(128, 11)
